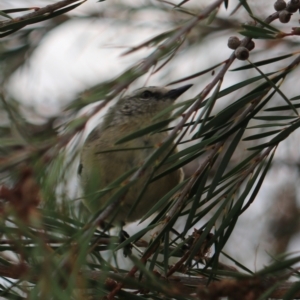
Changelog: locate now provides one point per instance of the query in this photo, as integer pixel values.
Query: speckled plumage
(101, 169)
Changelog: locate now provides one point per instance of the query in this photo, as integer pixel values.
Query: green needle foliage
(52, 247)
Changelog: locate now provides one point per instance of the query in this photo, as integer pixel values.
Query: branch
(9, 26)
(39, 12)
(177, 285)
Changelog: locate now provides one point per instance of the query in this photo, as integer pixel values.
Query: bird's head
(143, 104)
(149, 100)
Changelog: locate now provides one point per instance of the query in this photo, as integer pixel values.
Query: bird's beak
(174, 94)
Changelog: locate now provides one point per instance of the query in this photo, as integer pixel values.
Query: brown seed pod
(233, 42)
(241, 53)
(292, 6)
(284, 16)
(250, 46)
(279, 5)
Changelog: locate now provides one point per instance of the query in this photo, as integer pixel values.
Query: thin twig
(38, 12)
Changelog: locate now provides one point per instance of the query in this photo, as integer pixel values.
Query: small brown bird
(99, 169)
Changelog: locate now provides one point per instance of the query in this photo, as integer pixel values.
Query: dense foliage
(50, 248)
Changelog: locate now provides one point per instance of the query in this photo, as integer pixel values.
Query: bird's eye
(146, 94)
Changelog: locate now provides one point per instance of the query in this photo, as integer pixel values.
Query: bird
(101, 163)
